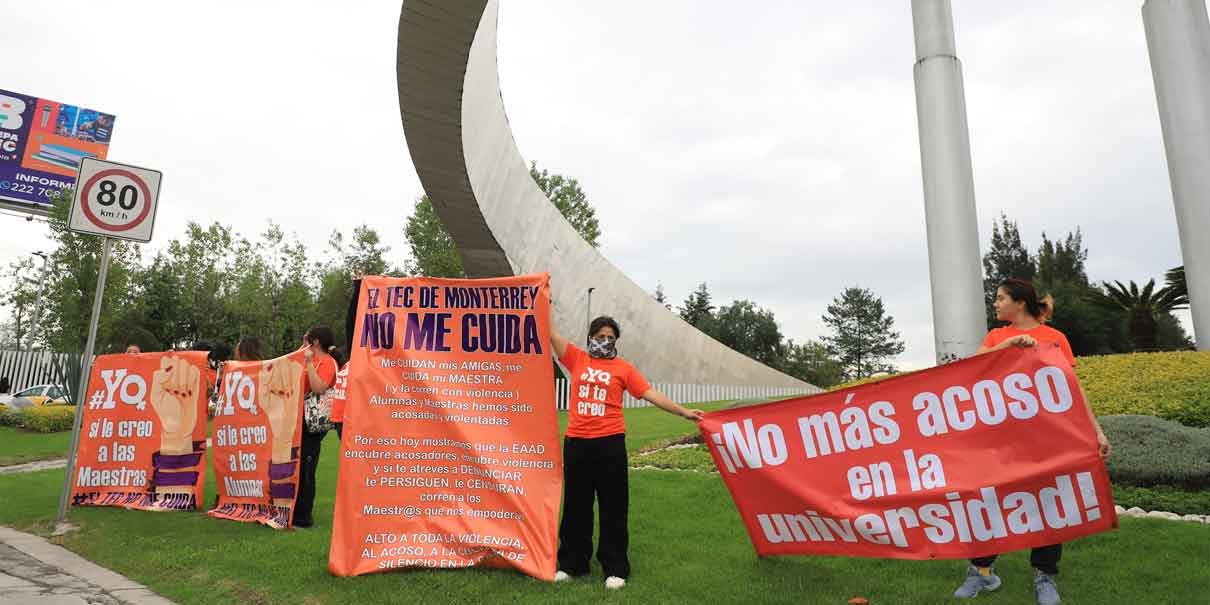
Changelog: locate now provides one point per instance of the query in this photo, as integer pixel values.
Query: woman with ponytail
(1018, 304)
(319, 376)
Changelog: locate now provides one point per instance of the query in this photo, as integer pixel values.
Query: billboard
(42, 143)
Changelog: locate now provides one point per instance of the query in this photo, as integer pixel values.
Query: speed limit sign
(115, 200)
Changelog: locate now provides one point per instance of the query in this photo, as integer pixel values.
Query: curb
(114, 584)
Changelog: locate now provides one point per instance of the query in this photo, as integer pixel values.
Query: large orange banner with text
(257, 433)
(985, 455)
(450, 455)
(143, 434)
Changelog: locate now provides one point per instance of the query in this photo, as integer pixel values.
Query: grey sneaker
(1045, 589)
(976, 583)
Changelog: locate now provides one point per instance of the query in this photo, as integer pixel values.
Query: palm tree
(1142, 307)
(1175, 279)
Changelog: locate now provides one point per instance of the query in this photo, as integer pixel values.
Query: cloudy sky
(772, 155)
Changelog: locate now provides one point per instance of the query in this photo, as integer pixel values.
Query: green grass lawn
(687, 545)
(18, 446)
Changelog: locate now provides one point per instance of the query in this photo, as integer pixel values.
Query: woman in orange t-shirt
(594, 450)
(1017, 303)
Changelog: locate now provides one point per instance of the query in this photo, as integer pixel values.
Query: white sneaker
(614, 582)
(561, 576)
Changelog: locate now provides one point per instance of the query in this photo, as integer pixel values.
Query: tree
(1006, 258)
(863, 339)
(810, 362)
(566, 195)
(1170, 335)
(364, 255)
(750, 330)
(660, 297)
(72, 273)
(1143, 307)
(434, 253)
(1175, 279)
(21, 295)
(1062, 261)
(697, 310)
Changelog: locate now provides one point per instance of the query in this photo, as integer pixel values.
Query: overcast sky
(772, 154)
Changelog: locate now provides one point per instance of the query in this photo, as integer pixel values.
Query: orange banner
(257, 432)
(986, 455)
(451, 445)
(143, 434)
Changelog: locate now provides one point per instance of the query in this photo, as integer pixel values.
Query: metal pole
(588, 310)
(38, 308)
(1178, 42)
(955, 272)
(85, 372)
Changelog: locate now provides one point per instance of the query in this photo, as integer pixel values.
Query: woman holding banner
(318, 343)
(594, 450)
(1018, 304)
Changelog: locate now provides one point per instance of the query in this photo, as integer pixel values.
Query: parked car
(42, 394)
(15, 403)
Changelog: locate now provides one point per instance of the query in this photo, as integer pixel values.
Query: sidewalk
(36, 572)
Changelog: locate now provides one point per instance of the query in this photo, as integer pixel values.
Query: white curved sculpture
(502, 223)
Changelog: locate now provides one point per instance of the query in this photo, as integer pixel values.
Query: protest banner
(257, 435)
(143, 444)
(985, 455)
(450, 455)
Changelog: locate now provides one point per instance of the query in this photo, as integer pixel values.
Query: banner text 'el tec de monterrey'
(42, 143)
(451, 445)
(986, 455)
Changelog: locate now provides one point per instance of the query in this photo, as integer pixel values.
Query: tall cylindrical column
(1178, 41)
(955, 269)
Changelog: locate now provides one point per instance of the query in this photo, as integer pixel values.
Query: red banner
(257, 433)
(450, 456)
(143, 434)
(982, 456)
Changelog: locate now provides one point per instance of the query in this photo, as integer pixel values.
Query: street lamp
(588, 310)
(37, 309)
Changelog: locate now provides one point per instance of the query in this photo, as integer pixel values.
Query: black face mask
(605, 347)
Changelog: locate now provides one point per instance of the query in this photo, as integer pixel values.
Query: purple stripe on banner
(174, 479)
(281, 471)
(178, 461)
(282, 490)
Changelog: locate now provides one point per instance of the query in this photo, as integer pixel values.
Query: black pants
(338, 426)
(595, 468)
(309, 454)
(1043, 558)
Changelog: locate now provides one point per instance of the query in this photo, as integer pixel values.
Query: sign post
(114, 201)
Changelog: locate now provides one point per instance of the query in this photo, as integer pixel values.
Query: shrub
(48, 419)
(1150, 451)
(1163, 497)
(9, 417)
(1174, 385)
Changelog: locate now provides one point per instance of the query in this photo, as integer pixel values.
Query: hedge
(46, 419)
(1174, 385)
(1149, 451)
(1162, 497)
(10, 417)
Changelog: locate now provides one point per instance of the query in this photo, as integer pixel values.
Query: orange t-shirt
(595, 400)
(325, 366)
(1044, 334)
(339, 393)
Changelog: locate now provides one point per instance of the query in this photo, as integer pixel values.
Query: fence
(692, 393)
(25, 369)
